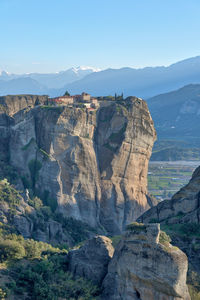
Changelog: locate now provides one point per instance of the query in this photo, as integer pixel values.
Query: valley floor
(165, 178)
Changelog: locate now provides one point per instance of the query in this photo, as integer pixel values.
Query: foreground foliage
(39, 270)
(33, 269)
(48, 279)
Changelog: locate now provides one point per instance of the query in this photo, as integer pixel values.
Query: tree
(66, 93)
(11, 250)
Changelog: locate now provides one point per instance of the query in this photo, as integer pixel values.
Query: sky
(49, 36)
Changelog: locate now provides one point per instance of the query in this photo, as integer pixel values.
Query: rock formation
(29, 222)
(184, 207)
(93, 164)
(144, 268)
(91, 260)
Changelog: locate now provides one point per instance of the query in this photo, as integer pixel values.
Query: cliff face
(184, 207)
(92, 164)
(143, 268)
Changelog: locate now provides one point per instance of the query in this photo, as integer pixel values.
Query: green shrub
(2, 294)
(26, 182)
(180, 214)
(194, 293)
(154, 220)
(164, 238)
(78, 230)
(47, 279)
(32, 249)
(34, 168)
(115, 240)
(111, 148)
(9, 194)
(36, 203)
(49, 201)
(46, 212)
(190, 229)
(10, 250)
(35, 249)
(45, 154)
(24, 148)
(137, 227)
(116, 137)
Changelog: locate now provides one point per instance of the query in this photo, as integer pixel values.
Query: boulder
(91, 260)
(143, 268)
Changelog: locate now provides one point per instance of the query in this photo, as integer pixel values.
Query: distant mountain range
(144, 83)
(176, 116)
(53, 80)
(36, 83)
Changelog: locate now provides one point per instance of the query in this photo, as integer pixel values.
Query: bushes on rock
(137, 227)
(49, 279)
(2, 294)
(9, 194)
(164, 238)
(78, 230)
(11, 250)
(34, 168)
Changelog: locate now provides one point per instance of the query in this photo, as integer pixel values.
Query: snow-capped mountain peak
(4, 73)
(85, 68)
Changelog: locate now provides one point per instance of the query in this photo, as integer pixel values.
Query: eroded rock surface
(143, 268)
(92, 164)
(91, 260)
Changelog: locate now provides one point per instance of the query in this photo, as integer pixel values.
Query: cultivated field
(166, 178)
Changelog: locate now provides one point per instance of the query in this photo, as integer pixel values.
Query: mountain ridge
(143, 82)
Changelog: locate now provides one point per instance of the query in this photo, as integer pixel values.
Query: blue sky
(48, 36)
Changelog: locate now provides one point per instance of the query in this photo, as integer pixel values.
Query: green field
(166, 178)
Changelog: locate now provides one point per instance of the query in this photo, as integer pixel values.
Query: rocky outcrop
(29, 222)
(144, 268)
(93, 164)
(91, 260)
(14, 103)
(184, 207)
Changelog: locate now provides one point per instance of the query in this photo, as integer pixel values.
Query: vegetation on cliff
(35, 268)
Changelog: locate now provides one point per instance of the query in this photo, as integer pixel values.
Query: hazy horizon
(97, 69)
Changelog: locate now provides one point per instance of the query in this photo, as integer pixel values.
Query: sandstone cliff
(93, 165)
(144, 268)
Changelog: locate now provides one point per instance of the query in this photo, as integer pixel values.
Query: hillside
(176, 117)
(176, 114)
